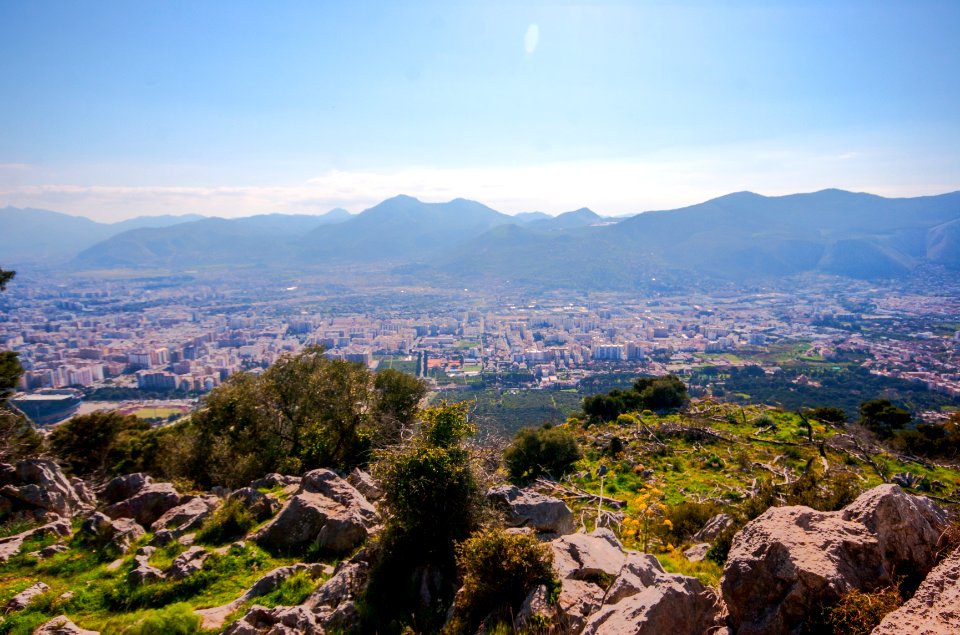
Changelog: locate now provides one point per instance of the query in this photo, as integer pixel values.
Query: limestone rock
(274, 480)
(83, 491)
(61, 625)
(23, 599)
(188, 516)
(697, 552)
(150, 502)
(144, 572)
(934, 609)
(365, 484)
(123, 487)
(675, 604)
(347, 582)
(535, 605)
(279, 621)
(789, 561)
(261, 505)
(594, 557)
(40, 485)
(10, 546)
(187, 563)
(116, 535)
(713, 528)
(326, 511)
(526, 508)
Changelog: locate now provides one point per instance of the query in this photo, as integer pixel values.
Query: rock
(713, 528)
(526, 508)
(147, 505)
(23, 599)
(365, 484)
(272, 481)
(934, 609)
(675, 604)
(83, 491)
(40, 485)
(279, 621)
(578, 599)
(123, 487)
(906, 526)
(143, 572)
(261, 505)
(213, 618)
(697, 552)
(61, 625)
(595, 557)
(347, 582)
(187, 563)
(10, 546)
(326, 511)
(116, 535)
(53, 550)
(537, 607)
(790, 561)
(343, 619)
(188, 516)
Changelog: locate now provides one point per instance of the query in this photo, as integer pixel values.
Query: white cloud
(609, 187)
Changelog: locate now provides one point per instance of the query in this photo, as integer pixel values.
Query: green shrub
(858, 613)
(498, 569)
(541, 451)
(176, 619)
(687, 519)
(230, 522)
(291, 592)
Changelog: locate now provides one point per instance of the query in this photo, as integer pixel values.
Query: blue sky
(114, 109)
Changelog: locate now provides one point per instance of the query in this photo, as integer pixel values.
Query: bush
(687, 519)
(498, 569)
(541, 451)
(176, 619)
(858, 613)
(230, 522)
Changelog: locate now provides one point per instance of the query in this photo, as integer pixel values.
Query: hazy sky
(116, 109)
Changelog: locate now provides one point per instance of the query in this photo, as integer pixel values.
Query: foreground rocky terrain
(101, 561)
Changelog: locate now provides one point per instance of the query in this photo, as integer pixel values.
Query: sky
(117, 109)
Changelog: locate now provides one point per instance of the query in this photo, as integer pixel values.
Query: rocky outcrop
(115, 535)
(143, 572)
(147, 505)
(274, 480)
(713, 528)
(934, 609)
(526, 508)
(365, 484)
(261, 505)
(790, 561)
(282, 620)
(61, 625)
(188, 516)
(10, 546)
(123, 487)
(326, 511)
(187, 563)
(606, 589)
(39, 487)
(23, 599)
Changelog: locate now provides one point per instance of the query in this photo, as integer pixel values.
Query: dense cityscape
(179, 336)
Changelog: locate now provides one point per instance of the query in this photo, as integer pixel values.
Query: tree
(829, 414)
(432, 501)
(882, 417)
(100, 443)
(541, 451)
(18, 437)
(306, 411)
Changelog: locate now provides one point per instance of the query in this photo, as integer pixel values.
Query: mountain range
(737, 236)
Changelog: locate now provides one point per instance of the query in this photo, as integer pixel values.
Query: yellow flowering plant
(647, 513)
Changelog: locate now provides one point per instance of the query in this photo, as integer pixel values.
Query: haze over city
(114, 110)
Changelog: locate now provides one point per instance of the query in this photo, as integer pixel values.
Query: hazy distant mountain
(262, 239)
(527, 217)
(34, 235)
(400, 229)
(742, 235)
(582, 217)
